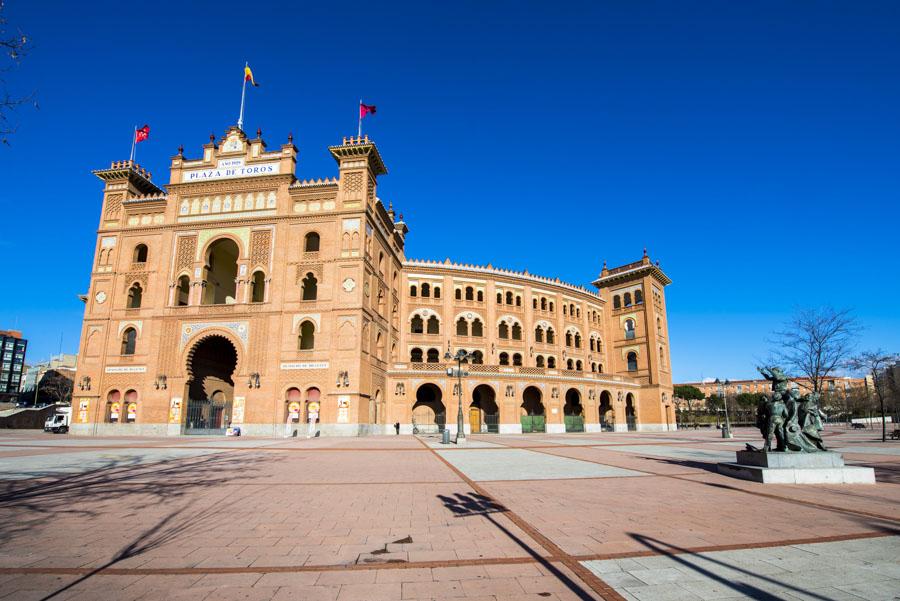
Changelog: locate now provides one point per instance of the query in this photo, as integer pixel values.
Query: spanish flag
(248, 76)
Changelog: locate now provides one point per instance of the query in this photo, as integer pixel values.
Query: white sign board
(305, 365)
(227, 168)
(126, 369)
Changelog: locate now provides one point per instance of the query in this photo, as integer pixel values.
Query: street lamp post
(460, 356)
(726, 427)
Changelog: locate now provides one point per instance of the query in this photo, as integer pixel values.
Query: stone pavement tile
(662, 592)
(458, 573)
(513, 570)
(243, 593)
(827, 594)
(223, 580)
(370, 592)
(541, 584)
(347, 577)
(404, 575)
(664, 575)
(493, 586)
(520, 464)
(619, 580)
(307, 593)
(709, 589)
(432, 590)
(277, 579)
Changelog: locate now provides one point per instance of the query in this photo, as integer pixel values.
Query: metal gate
(574, 423)
(439, 424)
(207, 416)
(491, 424)
(632, 423)
(533, 423)
(606, 425)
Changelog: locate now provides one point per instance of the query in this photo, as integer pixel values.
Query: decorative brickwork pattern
(260, 245)
(187, 250)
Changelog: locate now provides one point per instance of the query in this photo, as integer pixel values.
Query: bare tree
(876, 364)
(14, 46)
(815, 343)
(57, 386)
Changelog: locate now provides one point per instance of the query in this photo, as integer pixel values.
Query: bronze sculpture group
(794, 421)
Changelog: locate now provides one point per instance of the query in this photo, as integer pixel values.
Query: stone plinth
(796, 468)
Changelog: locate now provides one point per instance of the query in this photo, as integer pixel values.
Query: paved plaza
(512, 517)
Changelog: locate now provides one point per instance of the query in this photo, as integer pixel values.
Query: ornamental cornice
(240, 184)
(642, 270)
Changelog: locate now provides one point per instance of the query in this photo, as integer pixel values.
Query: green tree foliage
(688, 393)
(749, 400)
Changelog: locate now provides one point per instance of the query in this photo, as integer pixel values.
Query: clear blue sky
(753, 147)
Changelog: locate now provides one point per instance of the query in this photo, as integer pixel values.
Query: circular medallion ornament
(100, 297)
(348, 285)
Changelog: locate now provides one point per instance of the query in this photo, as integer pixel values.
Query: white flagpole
(240, 123)
(359, 123)
(133, 140)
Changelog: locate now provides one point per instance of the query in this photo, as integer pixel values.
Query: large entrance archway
(484, 415)
(210, 388)
(532, 418)
(221, 273)
(573, 411)
(429, 414)
(607, 417)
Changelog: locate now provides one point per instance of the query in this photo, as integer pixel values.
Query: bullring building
(241, 295)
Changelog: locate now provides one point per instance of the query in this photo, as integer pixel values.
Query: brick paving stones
(524, 517)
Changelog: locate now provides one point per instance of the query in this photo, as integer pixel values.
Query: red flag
(142, 134)
(365, 109)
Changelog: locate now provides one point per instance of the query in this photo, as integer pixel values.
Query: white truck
(58, 423)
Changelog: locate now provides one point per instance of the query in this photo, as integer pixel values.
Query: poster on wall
(83, 411)
(237, 410)
(294, 411)
(343, 415)
(131, 415)
(175, 411)
(114, 412)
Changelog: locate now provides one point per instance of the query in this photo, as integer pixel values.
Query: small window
(577, 340)
(311, 243)
(470, 293)
(426, 290)
(570, 365)
(534, 303)
(135, 295)
(517, 359)
(518, 301)
(509, 298)
(480, 296)
(503, 330)
(504, 359)
(539, 361)
(627, 299)
(184, 291)
(517, 332)
(412, 290)
(632, 361)
(478, 358)
(629, 329)
(551, 362)
(417, 325)
(568, 338)
(307, 339)
(551, 306)
(310, 287)
(140, 253)
(551, 336)
(462, 327)
(433, 355)
(578, 365)
(499, 298)
(543, 304)
(638, 297)
(437, 292)
(129, 341)
(434, 326)
(258, 293)
(477, 328)
(458, 294)
(617, 302)
(415, 355)
(539, 334)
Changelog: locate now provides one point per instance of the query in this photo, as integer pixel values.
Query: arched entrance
(573, 411)
(630, 417)
(429, 415)
(210, 389)
(532, 417)
(607, 417)
(484, 415)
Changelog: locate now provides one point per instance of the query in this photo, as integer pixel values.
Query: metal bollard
(445, 436)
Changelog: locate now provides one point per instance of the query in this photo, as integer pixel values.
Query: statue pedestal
(824, 467)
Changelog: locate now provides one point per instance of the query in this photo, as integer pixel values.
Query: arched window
(477, 328)
(577, 340)
(659, 326)
(551, 306)
(599, 368)
(113, 406)
(415, 355)
(434, 326)
(504, 359)
(183, 294)
(258, 293)
(129, 340)
(426, 290)
(517, 359)
(571, 310)
(140, 254)
(551, 362)
(135, 293)
(458, 294)
(534, 303)
(565, 310)
(477, 358)
(539, 334)
(499, 298)
(632, 361)
(311, 242)
(462, 327)
(509, 298)
(539, 361)
(593, 367)
(578, 312)
(543, 304)
(470, 293)
(599, 346)
(412, 290)
(416, 326)
(437, 292)
(662, 358)
(617, 302)
(591, 343)
(551, 336)
(570, 365)
(480, 296)
(627, 299)
(307, 338)
(433, 355)
(629, 329)
(221, 273)
(518, 301)
(381, 263)
(310, 287)
(638, 297)
(568, 338)
(517, 332)
(503, 330)
(578, 365)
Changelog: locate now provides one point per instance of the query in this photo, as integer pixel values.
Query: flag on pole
(366, 109)
(142, 134)
(248, 76)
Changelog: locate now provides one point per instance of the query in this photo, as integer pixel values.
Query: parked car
(858, 426)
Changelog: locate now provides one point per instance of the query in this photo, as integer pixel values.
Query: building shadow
(474, 504)
(678, 555)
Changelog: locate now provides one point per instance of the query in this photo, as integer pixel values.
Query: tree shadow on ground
(679, 555)
(474, 504)
(26, 504)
